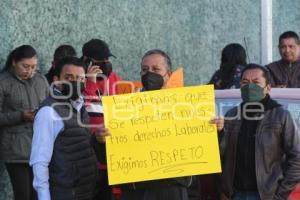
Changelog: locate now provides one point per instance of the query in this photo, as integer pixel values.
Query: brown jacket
(285, 74)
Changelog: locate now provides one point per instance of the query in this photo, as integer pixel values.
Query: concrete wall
(193, 32)
(286, 16)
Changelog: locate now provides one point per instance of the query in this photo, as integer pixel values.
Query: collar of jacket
(13, 74)
(285, 63)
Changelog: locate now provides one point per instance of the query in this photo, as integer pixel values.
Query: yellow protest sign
(161, 134)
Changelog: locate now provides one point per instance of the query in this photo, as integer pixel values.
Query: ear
(13, 63)
(268, 87)
(168, 75)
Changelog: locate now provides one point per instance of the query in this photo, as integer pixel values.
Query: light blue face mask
(252, 93)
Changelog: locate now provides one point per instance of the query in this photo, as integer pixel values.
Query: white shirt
(46, 127)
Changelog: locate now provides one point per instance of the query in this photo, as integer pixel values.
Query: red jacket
(93, 93)
(295, 194)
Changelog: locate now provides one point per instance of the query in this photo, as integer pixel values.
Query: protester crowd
(50, 154)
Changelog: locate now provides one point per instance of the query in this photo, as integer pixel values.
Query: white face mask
(77, 104)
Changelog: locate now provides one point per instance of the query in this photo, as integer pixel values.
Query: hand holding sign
(219, 121)
(101, 134)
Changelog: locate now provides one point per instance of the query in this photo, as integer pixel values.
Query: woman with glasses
(21, 92)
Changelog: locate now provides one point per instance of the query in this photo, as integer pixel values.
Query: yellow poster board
(161, 134)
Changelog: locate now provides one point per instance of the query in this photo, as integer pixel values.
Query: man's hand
(101, 134)
(92, 72)
(224, 197)
(219, 122)
(28, 116)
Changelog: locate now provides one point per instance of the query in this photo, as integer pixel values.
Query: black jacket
(72, 169)
(277, 153)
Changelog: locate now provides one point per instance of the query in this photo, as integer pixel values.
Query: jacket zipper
(256, 147)
(28, 96)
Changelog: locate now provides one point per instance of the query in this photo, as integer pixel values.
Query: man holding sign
(155, 73)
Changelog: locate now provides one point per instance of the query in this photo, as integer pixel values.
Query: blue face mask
(252, 93)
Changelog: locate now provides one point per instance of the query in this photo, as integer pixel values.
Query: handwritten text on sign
(161, 134)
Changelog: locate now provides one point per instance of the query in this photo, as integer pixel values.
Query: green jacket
(17, 96)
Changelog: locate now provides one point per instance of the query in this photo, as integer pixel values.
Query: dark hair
(251, 66)
(60, 52)
(63, 51)
(68, 61)
(162, 53)
(289, 34)
(19, 53)
(233, 55)
(96, 49)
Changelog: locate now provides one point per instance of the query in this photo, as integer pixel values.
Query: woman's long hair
(232, 55)
(19, 53)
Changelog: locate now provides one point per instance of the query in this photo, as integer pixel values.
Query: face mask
(77, 89)
(106, 68)
(252, 93)
(152, 81)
